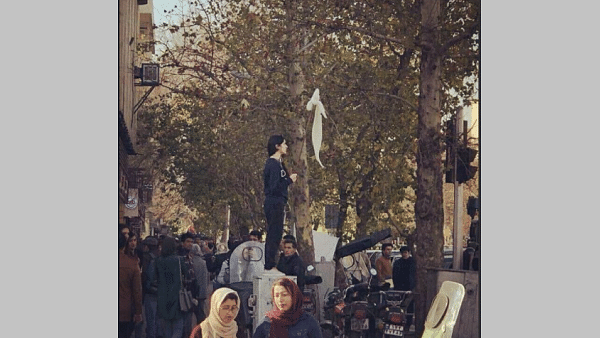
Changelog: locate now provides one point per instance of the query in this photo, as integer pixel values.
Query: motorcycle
(333, 309)
(348, 313)
(357, 312)
(309, 300)
(362, 312)
(391, 311)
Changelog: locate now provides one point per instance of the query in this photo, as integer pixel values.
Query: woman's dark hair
(231, 296)
(290, 241)
(123, 226)
(385, 245)
(274, 140)
(169, 246)
(187, 235)
(128, 251)
(289, 237)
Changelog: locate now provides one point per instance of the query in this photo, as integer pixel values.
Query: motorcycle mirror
(373, 272)
(347, 261)
(310, 268)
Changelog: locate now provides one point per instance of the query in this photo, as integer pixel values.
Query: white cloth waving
(317, 129)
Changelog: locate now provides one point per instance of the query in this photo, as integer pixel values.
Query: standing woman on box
(276, 179)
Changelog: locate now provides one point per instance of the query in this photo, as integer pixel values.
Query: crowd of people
(153, 271)
(153, 274)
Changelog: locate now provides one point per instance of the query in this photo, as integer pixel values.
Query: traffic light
(472, 206)
(464, 170)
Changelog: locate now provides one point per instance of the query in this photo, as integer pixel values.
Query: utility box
(467, 322)
(261, 295)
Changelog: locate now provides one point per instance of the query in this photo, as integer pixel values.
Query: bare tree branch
(413, 107)
(468, 34)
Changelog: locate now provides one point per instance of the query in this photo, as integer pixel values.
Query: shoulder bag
(186, 301)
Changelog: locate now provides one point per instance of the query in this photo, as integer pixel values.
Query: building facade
(135, 37)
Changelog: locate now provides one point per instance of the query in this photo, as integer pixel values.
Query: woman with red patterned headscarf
(287, 319)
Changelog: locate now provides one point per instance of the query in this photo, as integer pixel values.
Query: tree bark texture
(343, 203)
(429, 213)
(299, 192)
(364, 204)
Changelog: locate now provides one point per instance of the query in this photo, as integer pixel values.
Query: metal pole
(225, 237)
(458, 193)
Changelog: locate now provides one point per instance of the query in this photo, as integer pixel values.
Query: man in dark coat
(185, 250)
(169, 270)
(149, 285)
(404, 271)
(290, 262)
(403, 275)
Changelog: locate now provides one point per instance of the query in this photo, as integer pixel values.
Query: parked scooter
(361, 312)
(333, 310)
(359, 316)
(390, 308)
(348, 313)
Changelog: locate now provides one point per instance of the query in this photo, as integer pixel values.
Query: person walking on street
(130, 291)
(189, 282)
(150, 286)
(287, 319)
(220, 323)
(169, 270)
(201, 274)
(133, 250)
(383, 264)
(132, 243)
(276, 180)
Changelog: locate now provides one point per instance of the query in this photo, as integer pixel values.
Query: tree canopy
(387, 71)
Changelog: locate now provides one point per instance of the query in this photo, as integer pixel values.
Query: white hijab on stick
(317, 129)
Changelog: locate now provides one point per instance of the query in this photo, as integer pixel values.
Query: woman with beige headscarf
(220, 323)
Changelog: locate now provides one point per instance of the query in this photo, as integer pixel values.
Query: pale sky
(161, 5)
